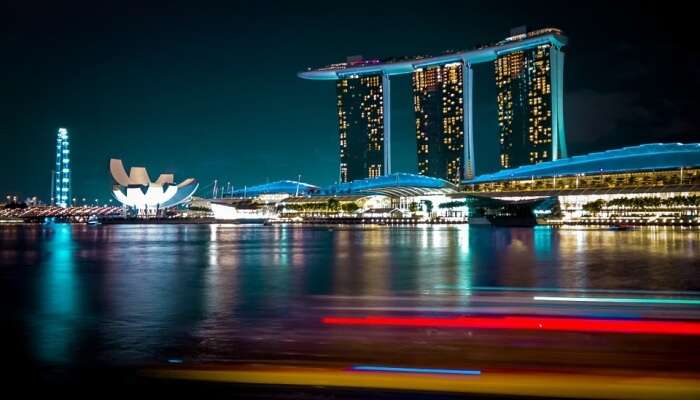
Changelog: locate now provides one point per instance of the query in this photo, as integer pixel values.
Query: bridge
(73, 214)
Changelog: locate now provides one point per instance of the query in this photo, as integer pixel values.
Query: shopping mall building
(647, 184)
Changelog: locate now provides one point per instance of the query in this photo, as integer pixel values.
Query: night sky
(210, 90)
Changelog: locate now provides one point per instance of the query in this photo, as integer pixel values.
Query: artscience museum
(136, 191)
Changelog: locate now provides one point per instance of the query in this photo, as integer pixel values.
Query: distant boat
(94, 220)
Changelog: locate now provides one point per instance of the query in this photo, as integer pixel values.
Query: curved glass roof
(398, 184)
(278, 187)
(646, 157)
(182, 195)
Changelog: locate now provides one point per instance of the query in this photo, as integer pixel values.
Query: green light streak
(567, 290)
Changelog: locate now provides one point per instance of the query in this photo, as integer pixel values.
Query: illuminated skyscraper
(530, 120)
(438, 104)
(361, 127)
(529, 78)
(61, 184)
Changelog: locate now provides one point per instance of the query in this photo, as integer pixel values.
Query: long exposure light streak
(617, 300)
(528, 323)
(564, 290)
(377, 368)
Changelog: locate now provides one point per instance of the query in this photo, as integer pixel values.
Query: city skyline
(315, 200)
(109, 102)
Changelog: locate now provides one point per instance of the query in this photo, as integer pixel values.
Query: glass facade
(61, 180)
(439, 111)
(646, 157)
(361, 127)
(607, 181)
(524, 101)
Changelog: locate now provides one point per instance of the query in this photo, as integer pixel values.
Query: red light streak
(528, 323)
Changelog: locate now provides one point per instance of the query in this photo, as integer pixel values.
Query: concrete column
(468, 104)
(386, 90)
(556, 58)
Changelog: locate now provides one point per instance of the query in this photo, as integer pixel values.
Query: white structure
(136, 190)
(232, 212)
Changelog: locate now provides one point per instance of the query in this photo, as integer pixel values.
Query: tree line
(640, 203)
(332, 205)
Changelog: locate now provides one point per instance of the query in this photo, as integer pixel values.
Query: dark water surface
(126, 294)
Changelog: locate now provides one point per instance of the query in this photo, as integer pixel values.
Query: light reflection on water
(59, 310)
(126, 293)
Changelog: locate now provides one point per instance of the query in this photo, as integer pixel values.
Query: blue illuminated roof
(657, 156)
(278, 187)
(182, 195)
(398, 184)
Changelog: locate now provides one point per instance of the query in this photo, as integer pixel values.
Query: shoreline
(326, 222)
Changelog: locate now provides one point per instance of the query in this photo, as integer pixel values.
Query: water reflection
(139, 293)
(59, 306)
(464, 269)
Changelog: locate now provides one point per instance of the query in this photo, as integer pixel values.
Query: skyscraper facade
(62, 174)
(529, 72)
(524, 101)
(361, 127)
(439, 111)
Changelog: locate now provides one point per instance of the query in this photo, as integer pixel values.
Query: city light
(61, 187)
(489, 260)
(375, 368)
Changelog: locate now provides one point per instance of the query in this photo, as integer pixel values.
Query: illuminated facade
(438, 106)
(653, 161)
(136, 191)
(361, 127)
(647, 184)
(530, 123)
(529, 71)
(61, 189)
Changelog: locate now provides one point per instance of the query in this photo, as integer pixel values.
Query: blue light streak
(378, 368)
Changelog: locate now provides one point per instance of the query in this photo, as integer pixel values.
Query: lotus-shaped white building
(136, 190)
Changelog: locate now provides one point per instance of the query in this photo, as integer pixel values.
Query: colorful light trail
(377, 368)
(590, 325)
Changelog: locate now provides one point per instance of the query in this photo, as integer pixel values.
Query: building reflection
(603, 258)
(137, 293)
(59, 299)
(464, 265)
(155, 288)
(433, 256)
(222, 271)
